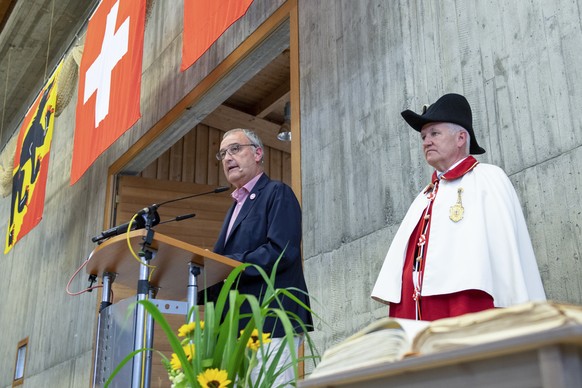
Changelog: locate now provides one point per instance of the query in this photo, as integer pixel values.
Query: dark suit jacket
(268, 223)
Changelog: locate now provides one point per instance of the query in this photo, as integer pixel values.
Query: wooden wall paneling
(286, 175)
(151, 171)
(176, 157)
(164, 166)
(214, 166)
(193, 159)
(202, 154)
(159, 190)
(189, 156)
(226, 118)
(136, 192)
(266, 160)
(275, 163)
(140, 193)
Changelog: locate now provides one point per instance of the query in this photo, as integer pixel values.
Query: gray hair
(456, 128)
(251, 135)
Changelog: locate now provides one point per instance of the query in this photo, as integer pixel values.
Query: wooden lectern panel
(171, 261)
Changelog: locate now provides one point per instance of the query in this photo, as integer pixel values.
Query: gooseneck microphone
(140, 219)
(179, 218)
(138, 223)
(215, 191)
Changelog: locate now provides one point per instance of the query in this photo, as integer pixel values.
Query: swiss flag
(109, 80)
(204, 22)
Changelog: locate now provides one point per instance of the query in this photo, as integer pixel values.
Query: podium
(167, 268)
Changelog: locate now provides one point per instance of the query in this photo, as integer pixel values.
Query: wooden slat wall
(134, 193)
(192, 159)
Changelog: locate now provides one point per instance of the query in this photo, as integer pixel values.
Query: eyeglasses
(232, 149)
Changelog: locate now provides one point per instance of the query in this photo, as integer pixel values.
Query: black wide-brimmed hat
(450, 108)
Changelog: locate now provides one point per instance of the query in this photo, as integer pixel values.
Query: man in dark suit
(264, 221)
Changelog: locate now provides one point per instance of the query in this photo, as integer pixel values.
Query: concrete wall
(363, 62)
(34, 274)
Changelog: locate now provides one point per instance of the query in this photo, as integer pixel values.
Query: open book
(495, 325)
(385, 340)
(389, 340)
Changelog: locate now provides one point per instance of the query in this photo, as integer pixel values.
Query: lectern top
(171, 262)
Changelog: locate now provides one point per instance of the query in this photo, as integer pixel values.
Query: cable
(84, 264)
(135, 255)
(88, 289)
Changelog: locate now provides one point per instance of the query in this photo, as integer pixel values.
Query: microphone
(179, 218)
(215, 191)
(138, 223)
(151, 211)
(185, 217)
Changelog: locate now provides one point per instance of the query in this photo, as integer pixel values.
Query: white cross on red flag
(109, 80)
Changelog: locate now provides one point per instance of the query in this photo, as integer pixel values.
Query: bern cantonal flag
(31, 161)
(109, 80)
(204, 22)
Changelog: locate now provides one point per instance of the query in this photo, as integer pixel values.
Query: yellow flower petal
(175, 362)
(254, 342)
(189, 350)
(188, 328)
(213, 378)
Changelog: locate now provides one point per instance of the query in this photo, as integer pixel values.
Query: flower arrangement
(212, 352)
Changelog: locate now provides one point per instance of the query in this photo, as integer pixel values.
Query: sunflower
(213, 378)
(255, 342)
(175, 361)
(188, 328)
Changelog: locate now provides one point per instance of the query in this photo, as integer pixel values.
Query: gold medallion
(457, 210)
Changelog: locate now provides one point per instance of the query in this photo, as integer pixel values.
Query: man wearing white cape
(463, 245)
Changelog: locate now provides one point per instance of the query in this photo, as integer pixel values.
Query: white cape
(491, 250)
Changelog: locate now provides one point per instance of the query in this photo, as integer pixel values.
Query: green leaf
(221, 345)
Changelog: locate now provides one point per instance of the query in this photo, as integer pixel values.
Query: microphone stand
(144, 338)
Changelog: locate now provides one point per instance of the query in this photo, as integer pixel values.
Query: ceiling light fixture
(285, 130)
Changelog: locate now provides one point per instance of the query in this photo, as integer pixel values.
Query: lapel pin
(253, 196)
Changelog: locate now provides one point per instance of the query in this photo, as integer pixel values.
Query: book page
(385, 340)
(411, 327)
(495, 325)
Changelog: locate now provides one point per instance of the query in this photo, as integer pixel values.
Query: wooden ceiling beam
(226, 118)
(267, 104)
(6, 7)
